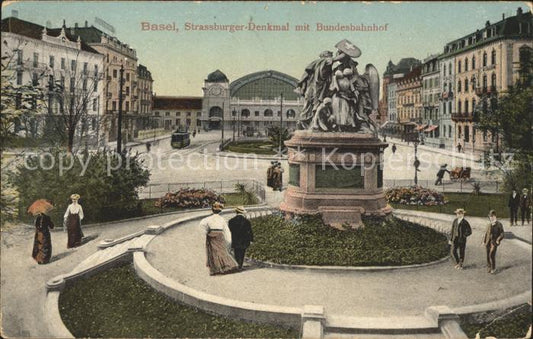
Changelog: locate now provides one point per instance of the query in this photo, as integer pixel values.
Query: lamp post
(234, 114)
(416, 163)
(119, 132)
(281, 125)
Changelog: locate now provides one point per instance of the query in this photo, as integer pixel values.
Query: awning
(431, 128)
(421, 127)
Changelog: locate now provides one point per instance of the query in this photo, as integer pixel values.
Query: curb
(236, 155)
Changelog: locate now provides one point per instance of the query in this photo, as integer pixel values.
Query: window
(473, 81)
(73, 65)
(485, 82)
(493, 57)
(85, 66)
(127, 90)
(466, 64)
(450, 69)
(473, 62)
(459, 66)
(459, 86)
(459, 107)
(444, 70)
(35, 59)
(96, 71)
(19, 57)
(50, 82)
(72, 82)
(127, 105)
(114, 73)
(484, 59)
(450, 107)
(466, 106)
(95, 88)
(34, 80)
(188, 114)
(444, 108)
(95, 105)
(178, 122)
(84, 84)
(62, 82)
(493, 80)
(19, 77)
(178, 114)
(114, 104)
(256, 113)
(167, 114)
(63, 63)
(268, 113)
(51, 61)
(127, 77)
(466, 85)
(449, 131)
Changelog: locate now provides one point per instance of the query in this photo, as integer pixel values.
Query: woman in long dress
(42, 243)
(218, 243)
(72, 220)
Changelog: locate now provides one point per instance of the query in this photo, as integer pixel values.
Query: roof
(171, 102)
(412, 75)
(403, 66)
(34, 31)
(217, 76)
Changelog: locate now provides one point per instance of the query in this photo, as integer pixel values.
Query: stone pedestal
(339, 175)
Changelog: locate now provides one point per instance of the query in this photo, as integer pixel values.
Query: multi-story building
(68, 71)
(143, 95)
(250, 104)
(120, 62)
(447, 104)
(171, 112)
(409, 101)
(487, 63)
(387, 106)
(431, 101)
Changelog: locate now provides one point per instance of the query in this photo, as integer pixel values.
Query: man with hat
(270, 174)
(460, 231)
(493, 236)
(241, 234)
(525, 205)
(513, 204)
(440, 174)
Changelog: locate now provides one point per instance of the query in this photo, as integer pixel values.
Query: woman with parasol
(72, 221)
(42, 243)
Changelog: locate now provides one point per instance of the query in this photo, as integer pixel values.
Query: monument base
(336, 175)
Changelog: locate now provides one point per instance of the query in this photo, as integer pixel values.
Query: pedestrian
(270, 173)
(148, 147)
(218, 242)
(277, 177)
(241, 234)
(460, 231)
(393, 148)
(72, 221)
(42, 242)
(459, 147)
(194, 133)
(440, 174)
(493, 236)
(514, 204)
(525, 205)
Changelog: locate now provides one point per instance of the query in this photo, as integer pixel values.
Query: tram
(180, 139)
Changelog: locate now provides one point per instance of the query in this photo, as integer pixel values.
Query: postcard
(266, 169)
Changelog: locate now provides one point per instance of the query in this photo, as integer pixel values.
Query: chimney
(86, 23)
(503, 16)
(519, 11)
(487, 24)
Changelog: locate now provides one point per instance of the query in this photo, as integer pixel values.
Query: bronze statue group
(275, 176)
(42, 242)
(221, 238)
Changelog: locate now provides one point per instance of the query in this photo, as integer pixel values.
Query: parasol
(40, 206)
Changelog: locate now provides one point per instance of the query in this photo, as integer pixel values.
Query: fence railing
(461, 186)
(157, 190)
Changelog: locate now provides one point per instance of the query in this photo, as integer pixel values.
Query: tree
(19, 102)
(277, 133)
(510, 117)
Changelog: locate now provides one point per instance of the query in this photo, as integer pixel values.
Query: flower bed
(189, 198)
(382, 242)
(415, 195)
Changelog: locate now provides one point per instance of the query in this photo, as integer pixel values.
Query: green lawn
(117, 304)
(257, 147)
(381, 242)
(475, 205)
(513, 323)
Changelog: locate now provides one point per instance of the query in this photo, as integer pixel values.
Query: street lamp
(281, 125)
(120, 98)
(234, 113)
(416, 163)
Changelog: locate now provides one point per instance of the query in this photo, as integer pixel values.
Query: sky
(181, 60)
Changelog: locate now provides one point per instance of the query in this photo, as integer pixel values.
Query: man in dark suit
(525, 205)
(241, 234)
(440, 174)
(493, 236)
(514, 203)
(460, 231)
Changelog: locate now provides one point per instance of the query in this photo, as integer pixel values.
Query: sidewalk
(468, 155)
(364, 294)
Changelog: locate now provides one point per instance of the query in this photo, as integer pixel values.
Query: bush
(415, 195)
(189, 198)
(305, 240)
(108, 191)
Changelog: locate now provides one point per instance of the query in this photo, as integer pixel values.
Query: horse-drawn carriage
(460, 173)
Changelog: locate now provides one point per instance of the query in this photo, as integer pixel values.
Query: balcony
(461, 117)
(447, 95)
(480, 91)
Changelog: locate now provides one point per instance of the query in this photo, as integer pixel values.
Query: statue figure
(352, 97)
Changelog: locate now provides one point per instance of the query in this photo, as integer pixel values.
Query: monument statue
(336, 97)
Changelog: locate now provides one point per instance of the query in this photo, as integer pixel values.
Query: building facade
(409, 101)
(172, 112)
(487, 63)
(447, 104)
(68, 72)
(120, 64)
(144, 96)
(431, 100)
(250, 104)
